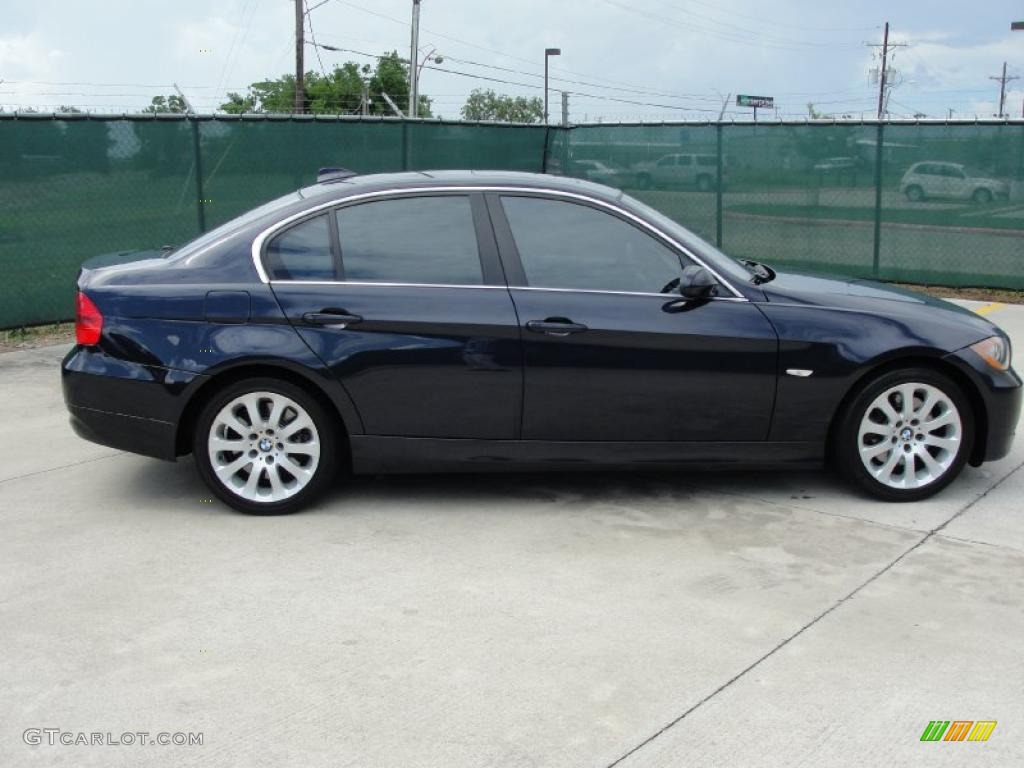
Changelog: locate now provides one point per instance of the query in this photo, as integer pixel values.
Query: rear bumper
(124, 405)
(147, 437)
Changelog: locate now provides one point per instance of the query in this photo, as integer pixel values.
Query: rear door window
(425, 239)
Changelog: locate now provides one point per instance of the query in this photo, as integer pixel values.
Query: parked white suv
(951, 181)
(680, 170)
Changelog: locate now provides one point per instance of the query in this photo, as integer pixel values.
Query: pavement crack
(842, 601)
(62, 466)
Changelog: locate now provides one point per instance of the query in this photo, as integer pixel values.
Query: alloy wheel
(263, 447)
(910, 435)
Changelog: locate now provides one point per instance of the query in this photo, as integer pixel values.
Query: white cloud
(26, 57)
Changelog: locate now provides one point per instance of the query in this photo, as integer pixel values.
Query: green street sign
(758, 102)
(1017, 25)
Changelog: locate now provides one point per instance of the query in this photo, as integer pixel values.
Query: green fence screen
(938, 203)
(934, 203)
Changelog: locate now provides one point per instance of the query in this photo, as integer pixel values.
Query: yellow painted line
(989, 308)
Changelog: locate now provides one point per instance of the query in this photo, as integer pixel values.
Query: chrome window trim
(366, 283)
(266, 234)
(385, 284)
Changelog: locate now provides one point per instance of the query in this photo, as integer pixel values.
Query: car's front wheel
(265, 446)
(906, 435)
(914, 193)
(982, 196)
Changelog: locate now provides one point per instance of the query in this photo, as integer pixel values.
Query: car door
(957, 183)
(684, 175)
(664, 170)
(609, 357)
(403, 298)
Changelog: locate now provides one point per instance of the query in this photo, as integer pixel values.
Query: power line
(541, 87)
(503, 54)
(243, 30)
(312, 36)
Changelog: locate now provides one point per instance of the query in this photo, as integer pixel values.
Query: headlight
(995, 351)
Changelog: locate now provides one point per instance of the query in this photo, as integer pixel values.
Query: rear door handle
(555, 326)
(331, 318)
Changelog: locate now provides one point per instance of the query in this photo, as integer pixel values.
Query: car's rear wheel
(265, 446)
(643, 180)
(982, 196)
(704, 183)
(914, 193)
(906, 435)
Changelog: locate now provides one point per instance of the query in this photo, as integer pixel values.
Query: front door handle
(555, 326)
(331, 318)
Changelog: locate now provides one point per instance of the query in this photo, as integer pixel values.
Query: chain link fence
(939, 203)
(930, 202)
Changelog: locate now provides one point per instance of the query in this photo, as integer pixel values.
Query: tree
(488, 105)
(161, 105)
(339, 92)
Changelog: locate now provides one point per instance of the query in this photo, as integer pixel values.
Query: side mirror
(697, 283)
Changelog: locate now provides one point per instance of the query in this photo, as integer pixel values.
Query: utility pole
(565, 108)
(300, 45)
(1003, 80)
(881, 81)
(414, 60)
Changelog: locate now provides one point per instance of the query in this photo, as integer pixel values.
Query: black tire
(846, 449)
(914, 193)
(704, 183)
(326, 430)
(643, 181)
(982, 196)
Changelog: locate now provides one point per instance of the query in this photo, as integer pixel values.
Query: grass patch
(36, 336)
(926, 216)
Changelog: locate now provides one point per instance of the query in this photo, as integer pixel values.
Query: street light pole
(548, 53)
(414, 48)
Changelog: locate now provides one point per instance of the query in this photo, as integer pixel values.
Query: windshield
(727, 265)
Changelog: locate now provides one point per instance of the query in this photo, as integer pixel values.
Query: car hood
(926, 313)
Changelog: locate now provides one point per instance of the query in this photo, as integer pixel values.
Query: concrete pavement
(773, 619)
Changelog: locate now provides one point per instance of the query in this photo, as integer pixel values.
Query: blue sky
(630, 59)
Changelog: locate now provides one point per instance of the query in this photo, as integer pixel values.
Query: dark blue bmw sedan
(451, 321)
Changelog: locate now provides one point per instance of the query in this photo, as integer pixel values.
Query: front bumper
(129, 406)
(1001, 396)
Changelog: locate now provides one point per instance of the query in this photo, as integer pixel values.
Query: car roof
(355, 185)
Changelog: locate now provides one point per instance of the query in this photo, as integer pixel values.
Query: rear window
(302, 252)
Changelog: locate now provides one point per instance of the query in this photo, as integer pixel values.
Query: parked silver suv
(952, 181)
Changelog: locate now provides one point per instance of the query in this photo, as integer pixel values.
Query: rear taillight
(88, 321)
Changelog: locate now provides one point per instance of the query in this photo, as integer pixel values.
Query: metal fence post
(547, 148)
(198, 164)
(405, 145)
(876, 251)
(718, 186)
